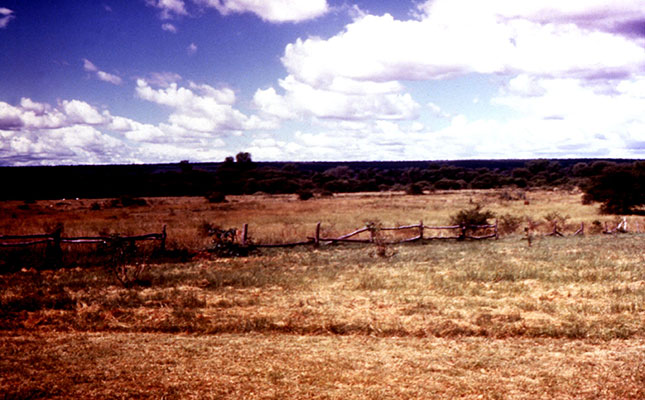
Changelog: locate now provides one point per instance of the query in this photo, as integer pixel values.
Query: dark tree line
(617, 185)
(620, 188)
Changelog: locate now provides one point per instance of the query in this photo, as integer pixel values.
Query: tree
(243, 158)
(185, 167)
(620, 188)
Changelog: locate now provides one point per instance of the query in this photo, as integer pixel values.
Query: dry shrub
(305, 194)
(508, 223)
(472, 216)
(223, 241)
(127, 263)
(382, 249)
(216, 197)
(127, 201)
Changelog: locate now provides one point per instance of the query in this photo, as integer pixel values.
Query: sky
(160, 81)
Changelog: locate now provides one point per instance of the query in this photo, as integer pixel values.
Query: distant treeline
(241, 175)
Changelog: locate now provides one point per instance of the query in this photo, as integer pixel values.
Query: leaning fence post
(245, 230)
(580, 231)
(317, 236)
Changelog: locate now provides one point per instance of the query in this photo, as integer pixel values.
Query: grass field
(562, 319)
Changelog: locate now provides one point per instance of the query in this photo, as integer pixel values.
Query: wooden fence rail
(349, 237)
(55, 239)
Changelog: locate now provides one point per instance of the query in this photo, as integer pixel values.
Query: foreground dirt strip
(255, 366)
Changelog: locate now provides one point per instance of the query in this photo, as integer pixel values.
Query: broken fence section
(317, 240)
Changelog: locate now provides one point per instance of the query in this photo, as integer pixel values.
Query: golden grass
(255, 366)
(562, 319)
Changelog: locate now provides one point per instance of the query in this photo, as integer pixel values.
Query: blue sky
(147, 81)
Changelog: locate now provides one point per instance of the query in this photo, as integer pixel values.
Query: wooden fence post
(162, 245)
(54, 250)
(462, 233)
(245, 232)
(421, 230)
(317, 236)
(527, 230)
(496, 229)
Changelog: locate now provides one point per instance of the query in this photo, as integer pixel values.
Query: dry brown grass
(255, 366)
(562, 319)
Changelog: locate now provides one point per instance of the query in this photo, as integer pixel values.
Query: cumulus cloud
(6, 15)
(573, 72)
(342, 99)
(73, 131)
(37, 133)
(441, 44)
(275, 11)
(199, 110)
(101, 75)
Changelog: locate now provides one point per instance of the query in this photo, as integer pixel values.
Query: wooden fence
(461, 230)
(55, 239)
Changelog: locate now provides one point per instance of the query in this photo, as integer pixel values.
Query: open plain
(563, 318)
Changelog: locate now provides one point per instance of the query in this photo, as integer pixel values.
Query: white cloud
(79, 112)
(10, 117)
(169, 8)
(525, 137)
(168, 27)
(457, 38)
(106, 77)
(191, 49)
(163, 79)
(275, 11)
(342, 99)
(199, 110)
(574, 82)
(73, 131)
(171, 152)
(101, 75)
(6, 15)
(583, 108)
(37, 108)
(89, 66)
(37, 133)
